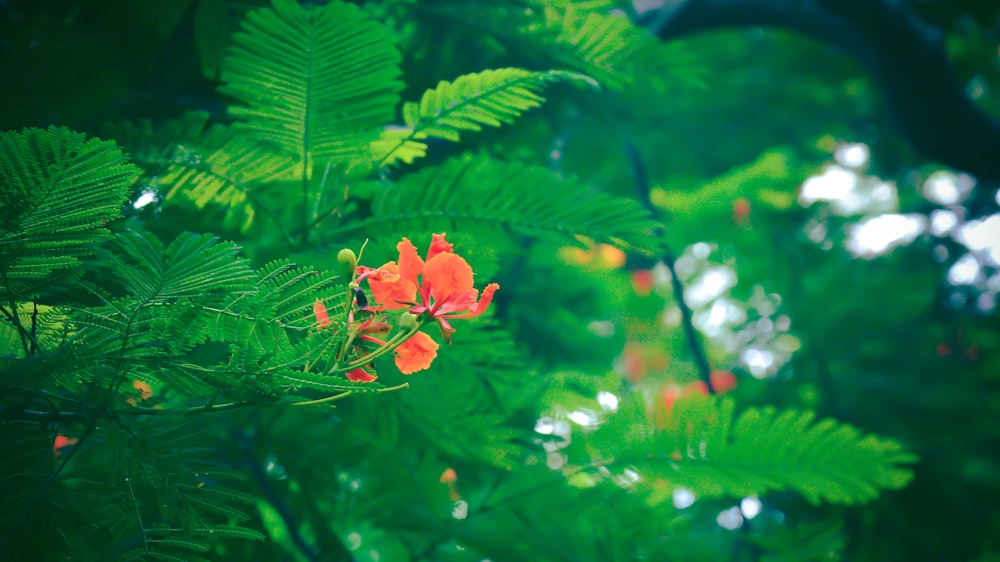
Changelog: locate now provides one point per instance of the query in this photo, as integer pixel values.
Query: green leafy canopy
(166, 393)
(703, 446)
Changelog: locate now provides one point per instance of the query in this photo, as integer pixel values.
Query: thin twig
(271, 496)
(14, 317)
(687, 316)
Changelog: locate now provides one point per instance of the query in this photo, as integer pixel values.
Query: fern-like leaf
(188, 160)
(590, 41)
(491, 197)
(702, 447)
(191, 266)
(489, 98)
(57, 192)
(317, 82)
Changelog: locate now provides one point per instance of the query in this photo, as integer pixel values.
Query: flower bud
(407, 321)
(348, 262)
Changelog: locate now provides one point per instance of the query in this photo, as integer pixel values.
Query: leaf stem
(14, 316)
(336, 397)
(382, 350)
(687, 317)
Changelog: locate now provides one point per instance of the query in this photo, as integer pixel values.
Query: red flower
(360, 375)
(60, 442)
(643, 282)
(364, 329)
(723, 381)
(440, 285)
(322, 317)
(416, 353)
(145, 392)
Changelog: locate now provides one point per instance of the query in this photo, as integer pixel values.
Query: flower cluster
(437, 287)
(440, 285)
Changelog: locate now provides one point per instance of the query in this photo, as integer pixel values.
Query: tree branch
(687, 316)
(905, 56)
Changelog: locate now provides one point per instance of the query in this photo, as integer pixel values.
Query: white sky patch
(946, 188)
(723, 312)
(627, 478)
(730, 519)
(583, 417)
(145, 198)
(877, 235)
(993, 283)
(983, 237)
(555, 461)
(834, 183)
(852, 155)
(683, 498)
(783, 323)
(943, 221)
(965, 271)
(751, 507)
(848, 192)
(817, 231)
(757, 361)
(608, 401)
(700, 250)
(709, 286)
(883, 192)
(712, 321)
(986, 302)
(547, 425)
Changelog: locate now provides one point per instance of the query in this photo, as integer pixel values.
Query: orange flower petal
(723, 381)
(456, 303)
(390, 289)
(410, 264)
(60, 442)
(448, 476)
(484, 301)
(439, 246)
(696, 387)
(360, 375)
(145, 391)
(448, 275)
(416, 353)
(322, 318)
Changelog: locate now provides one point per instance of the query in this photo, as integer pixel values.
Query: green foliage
(494, 198)
(168, 395)
(582, 38)
(59, 192)
(807, 542)
(317, 82)
(491, 98)
(190, 160)
(704, 448)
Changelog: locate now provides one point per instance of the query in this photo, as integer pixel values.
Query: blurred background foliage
(827, 266)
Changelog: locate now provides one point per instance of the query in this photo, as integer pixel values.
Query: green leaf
(57, 193)
(192, 266)
(703, 448)
(489, 98)
(490, 197)
(180, 543)
(318, 82)
(593, 42)
(234, 532)
(188, 160)
(325, 383)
